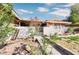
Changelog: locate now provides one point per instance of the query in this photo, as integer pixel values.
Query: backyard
(41, 45)
(28, 37)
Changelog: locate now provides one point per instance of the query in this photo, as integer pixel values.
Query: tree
(74, 17)
(6, 18)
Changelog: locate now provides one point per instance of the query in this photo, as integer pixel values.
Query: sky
(44, 11)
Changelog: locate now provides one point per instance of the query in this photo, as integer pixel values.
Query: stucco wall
(53, 29)
(24, 31)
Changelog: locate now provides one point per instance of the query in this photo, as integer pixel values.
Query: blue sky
(43, 11)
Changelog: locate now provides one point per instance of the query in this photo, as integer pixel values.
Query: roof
(58, 21)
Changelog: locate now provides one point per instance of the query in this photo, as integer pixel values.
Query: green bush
(74, 38)
(70, 30)
(55, 37)
(6, 33)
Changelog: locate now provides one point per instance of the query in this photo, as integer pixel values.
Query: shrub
(55, 37)
(74, 38)
(70, 30)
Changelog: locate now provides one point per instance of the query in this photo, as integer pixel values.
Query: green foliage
(70, 30)
(71, 38)
(75, 8)
(55, 37)
(43, 48)
(74, 18)
(46, 42)
(6, 17)
(6, 33)
(74, 38)
(32, 31)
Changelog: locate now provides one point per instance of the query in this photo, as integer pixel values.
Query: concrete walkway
(55, 52)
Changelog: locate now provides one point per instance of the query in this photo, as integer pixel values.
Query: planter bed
(72, 47)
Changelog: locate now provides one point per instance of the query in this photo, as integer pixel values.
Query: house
(56, 27)
(48, 27)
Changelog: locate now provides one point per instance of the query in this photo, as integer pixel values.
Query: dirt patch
(12, 45)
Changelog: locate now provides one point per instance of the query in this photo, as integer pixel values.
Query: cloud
(56, 8)
(25, 18)
(61, 12)
(69, 5)
(18, 12)
(21, 11)
(42, 9)
(48, 4)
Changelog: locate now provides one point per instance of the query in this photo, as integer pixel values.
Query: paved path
(55, 52)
